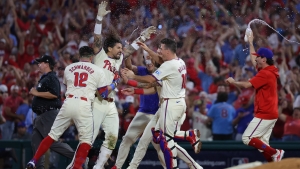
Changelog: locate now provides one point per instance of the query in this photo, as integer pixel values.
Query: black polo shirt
(48, 83)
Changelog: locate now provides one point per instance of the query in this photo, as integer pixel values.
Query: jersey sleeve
(259, 80)
(97, 58)
(64, 78)
(102, 81)
(164, 70)
(141, 70)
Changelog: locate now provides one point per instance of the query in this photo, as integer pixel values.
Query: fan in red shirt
(264, 82)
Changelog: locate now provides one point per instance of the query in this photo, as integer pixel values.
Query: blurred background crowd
(210, 37)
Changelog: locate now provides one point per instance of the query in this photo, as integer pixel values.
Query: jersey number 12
(80, 79)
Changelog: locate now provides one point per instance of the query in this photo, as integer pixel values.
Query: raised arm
(129, 65)
(98, 26)
(134, 83)
(153, 54)
(252, 50)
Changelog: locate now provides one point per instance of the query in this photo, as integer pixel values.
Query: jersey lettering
(80, 79)
(108, 66)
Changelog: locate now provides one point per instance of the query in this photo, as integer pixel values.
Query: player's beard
(118, 56)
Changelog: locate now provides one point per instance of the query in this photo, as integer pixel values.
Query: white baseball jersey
(110, 66)
(83, 79)
(172, 73)
(199, 123)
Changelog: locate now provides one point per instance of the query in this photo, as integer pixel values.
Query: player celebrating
(172, 75)
(260, 128)
(147, 109)
(82, 79)
(109, 59)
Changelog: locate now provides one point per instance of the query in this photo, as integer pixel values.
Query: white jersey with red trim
(83, 79)
(172, 74)
(110, 66)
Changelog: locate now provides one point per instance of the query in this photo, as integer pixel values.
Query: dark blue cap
(264, 52)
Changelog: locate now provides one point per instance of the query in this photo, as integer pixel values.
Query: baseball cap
(3, 88)
(21, 124)
(14, 87)
(264, 52)
(46, 59)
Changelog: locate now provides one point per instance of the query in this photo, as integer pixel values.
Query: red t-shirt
(292, 126)
(13, 103)
(266, 98)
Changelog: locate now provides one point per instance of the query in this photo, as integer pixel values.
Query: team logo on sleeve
(157, 72)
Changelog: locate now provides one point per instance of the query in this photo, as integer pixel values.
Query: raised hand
(128, 73)
(145, 34)
(124, 78)
(102, 10)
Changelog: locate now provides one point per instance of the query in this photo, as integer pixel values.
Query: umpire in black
(46, 104)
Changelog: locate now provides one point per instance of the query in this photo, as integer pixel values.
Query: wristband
(138, 91)
(135, 45)
(99, 18)
(98, 29)
(132, 83)
(113, 86)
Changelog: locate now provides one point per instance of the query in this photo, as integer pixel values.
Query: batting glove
(102, 10)
(145, 34)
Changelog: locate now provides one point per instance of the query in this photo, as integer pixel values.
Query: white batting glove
(145, 34)
(102, 10)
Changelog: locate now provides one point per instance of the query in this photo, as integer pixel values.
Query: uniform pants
(134, 131)
(41, 127)
(171, 112)
(259, 128)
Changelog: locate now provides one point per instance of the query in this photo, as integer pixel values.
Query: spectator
(292, 125)
(199, 117)
(221, 115)
(24, 107)
(128, 112)
(9, 112)
(243, 116)
(22, 133)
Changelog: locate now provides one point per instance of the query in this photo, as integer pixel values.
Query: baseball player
(148, 107)
(109, 58)
(82, 80)
(172, 76)
(147, 137)
(258, 132)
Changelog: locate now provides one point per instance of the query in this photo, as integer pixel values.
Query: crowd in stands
(210, 36)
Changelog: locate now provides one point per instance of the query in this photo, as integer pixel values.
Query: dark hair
(270, 61)
(169, 44)
(111, 41)
(222, 97)
(86, 51)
